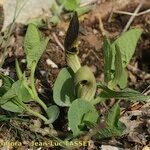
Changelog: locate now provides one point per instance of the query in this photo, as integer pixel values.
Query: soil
(90, 39)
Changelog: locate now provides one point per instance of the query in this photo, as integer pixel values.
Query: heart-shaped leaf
(77, 115)
(63, 91)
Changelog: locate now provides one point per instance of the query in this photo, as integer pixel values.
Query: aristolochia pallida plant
(15, 95)
(75, 86)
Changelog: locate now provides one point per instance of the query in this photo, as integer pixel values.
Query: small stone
(146, 148)
(108, 147)
(95, 31)
(23, 61)
(51, 63)
(61, 33)
(40, 90)
(68, 129)
(84, 56)
(7, 71)
(37, 123)
(43, 72)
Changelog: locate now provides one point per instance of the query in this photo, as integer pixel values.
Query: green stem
(97, 100)
(37, 99)
(73, 61)
(34, 113)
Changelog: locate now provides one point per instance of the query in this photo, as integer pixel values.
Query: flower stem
(36, 98)
(34, 113)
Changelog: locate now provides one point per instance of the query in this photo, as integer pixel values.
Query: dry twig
(133, 16)
(57, 41)
(143, 75)
(88, 2)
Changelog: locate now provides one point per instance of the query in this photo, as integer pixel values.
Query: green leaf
(23, 93)
(111, 132)
(53, 113)
(6, 83)
(17, 90)
(11, 93)
(77, 115)
(29, 91)
(34, 45)
(83, 10)
(118, 68)
(18, 70)
(107, 52)
(4, 118)
(55, 20)
(127, 43)
(127, 94)
(39, 22)
(123, 79)
(63, 91)
(113, 115)
(11, 106)
(70, 4)
(56, 9)
(113, 126)
(90, 118)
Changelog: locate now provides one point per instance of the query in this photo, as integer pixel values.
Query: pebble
(146, 148)
(51, 63)
(108, 147)
(95, 31)
(23, 61)
(40, 90)
(7, 71)
(43, 72)
(61, 33)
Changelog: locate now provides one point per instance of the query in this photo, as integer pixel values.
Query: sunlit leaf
(70, 4)
(127, 43)
(34, 45)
